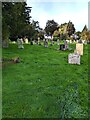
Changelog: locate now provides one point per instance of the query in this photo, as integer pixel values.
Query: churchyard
(43, 84)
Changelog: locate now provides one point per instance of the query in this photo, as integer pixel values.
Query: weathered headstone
(66, 45)
(79, 48)
(20, 43)
(5, 44)
(62, 47)
(45, 43)
(58, 42)
(74, 58)
(39, 41)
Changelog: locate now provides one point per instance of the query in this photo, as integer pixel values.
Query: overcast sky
(60, 11)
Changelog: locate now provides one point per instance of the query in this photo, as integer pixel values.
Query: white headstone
(26, 40)
(74, 58)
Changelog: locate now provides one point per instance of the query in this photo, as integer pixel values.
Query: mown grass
(43, 84)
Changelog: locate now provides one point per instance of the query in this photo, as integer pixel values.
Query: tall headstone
(46, 43)
(20, 43)
(79, 48)
(26, 40)
(58, 42)
(66, 45)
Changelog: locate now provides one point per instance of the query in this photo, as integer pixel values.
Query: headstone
(45, 43)
(62, 47)
(79, 48)
(26, 40)
(39, 42)
(66, 45)
(74, 58)
(5, 44)
(70, 41)
(58, 42)
(20, 43)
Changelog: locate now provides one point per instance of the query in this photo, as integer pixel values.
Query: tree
(16, 16)
(70, 28)
(20, 18)
(85, 29)
(51, 26)
(56, 33)
(85, 34)
(6, 9)
(78, 33)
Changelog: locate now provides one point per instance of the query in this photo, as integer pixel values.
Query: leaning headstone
(79, 48)
(74, 58)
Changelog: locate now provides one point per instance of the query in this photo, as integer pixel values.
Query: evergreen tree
(51, 26)
(70, 28)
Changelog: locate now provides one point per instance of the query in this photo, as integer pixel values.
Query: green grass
(43, 84)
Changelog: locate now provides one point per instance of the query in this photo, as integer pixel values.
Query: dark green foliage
(51, 26)
(15, 17)
(70, 28)
(85, 29)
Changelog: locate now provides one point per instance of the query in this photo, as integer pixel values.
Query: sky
(60, 11)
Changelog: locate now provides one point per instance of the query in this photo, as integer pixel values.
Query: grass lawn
(43, 84)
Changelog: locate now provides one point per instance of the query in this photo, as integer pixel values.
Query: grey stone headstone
(58, 42)
(20, 43)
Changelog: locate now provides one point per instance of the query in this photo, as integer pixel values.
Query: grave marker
(74, 58)
(79, 48)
